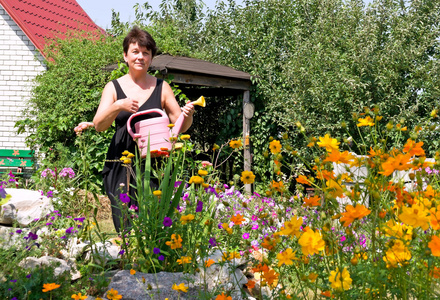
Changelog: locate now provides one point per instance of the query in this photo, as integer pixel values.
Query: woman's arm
(173, 109)
(109, 108)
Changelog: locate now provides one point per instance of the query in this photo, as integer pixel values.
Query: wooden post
(246, 142)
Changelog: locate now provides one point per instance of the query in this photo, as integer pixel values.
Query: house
(25, 28)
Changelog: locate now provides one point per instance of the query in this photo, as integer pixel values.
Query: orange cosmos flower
(261, 268)
(325, 174)
(47, 287)
(414, 148)
(176, 241)
(113, 295)
(250, 284)
(269, 243)
(312, 201)
(302, 180)
(223, 297)
(354, 213)
(209, 263)
(434, 245)
(334, 188)
(400, 163)
(237, 219)
(270, 276)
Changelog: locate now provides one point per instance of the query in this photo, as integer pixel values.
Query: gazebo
(197, 72)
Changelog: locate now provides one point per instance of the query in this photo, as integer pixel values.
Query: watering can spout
(178, 124)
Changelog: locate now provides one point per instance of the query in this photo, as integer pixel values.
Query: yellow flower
(311, 242)
(209, 263)
(125, 153)
(275, 147)
(368, 121)
(202, 172)
(415, 216)
(130, 155)
(340, 280)
(125, 160)
(329, 143)
(247, 177)
(185, 137)
(47, 287)
(186, 219)
(397, 254)
(173, 139)
(157, 193)
(215, 147)
(79, 296)
(180, 288)
(196, 180)
(292, 227)
(227, 228)
(178, 146)
(334, 188)
(176, 241)
(113, 295)
(170, 125)
(286, 257)
(184, 260)
(132, 271)
(235, 144)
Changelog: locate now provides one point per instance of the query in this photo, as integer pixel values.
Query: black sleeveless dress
(114, 173)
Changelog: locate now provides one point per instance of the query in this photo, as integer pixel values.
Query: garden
(345, 173)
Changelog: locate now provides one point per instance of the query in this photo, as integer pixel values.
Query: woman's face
(138, 57)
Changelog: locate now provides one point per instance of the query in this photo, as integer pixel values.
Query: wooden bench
(19, 162)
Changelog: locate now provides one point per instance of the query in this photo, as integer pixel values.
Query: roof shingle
(43, 20)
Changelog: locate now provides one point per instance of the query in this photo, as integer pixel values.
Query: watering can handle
(141, 113)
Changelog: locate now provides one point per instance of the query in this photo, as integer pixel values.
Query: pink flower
(206, 163)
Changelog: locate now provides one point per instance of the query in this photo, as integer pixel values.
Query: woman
(125, 96)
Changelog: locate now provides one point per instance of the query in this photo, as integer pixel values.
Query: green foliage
(66, 94)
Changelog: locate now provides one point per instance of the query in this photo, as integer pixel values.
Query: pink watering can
(156, 129)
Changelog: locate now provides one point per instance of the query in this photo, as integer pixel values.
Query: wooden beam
(209, 81)
(247, 156)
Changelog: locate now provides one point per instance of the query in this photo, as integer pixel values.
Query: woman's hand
(129, 105)
(83, 126)
(188, 109)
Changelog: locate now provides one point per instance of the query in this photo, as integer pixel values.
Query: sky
(100, 11)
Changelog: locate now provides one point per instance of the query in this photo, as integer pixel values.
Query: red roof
(43, 20)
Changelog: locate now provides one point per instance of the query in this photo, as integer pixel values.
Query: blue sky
(100, 11)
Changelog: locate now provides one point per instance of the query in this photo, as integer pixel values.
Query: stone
(61, 266)
(157, 286)
(24, 206)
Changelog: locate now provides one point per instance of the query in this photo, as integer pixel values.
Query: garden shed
(190, 73)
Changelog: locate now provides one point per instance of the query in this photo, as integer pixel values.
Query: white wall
(18, 67)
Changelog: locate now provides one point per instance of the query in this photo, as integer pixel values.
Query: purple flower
(167, 222)
(14, 280)
(245, 235)
(80, 219)
(134, 207)
(213, 242)
(48, 224)
(2, 192)
(69, 230)
(49, 194)
(124, 198)
(177, 184)
(31, 236)
(121, 252)
(161, 257)
(19, 231)
(156, 251)
(28, 275)
(199, 207)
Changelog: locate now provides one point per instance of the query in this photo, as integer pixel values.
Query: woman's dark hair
(142, 37)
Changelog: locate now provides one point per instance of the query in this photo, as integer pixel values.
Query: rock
(24, 206)
(225, 276)
(157, 286)
(61, 266)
